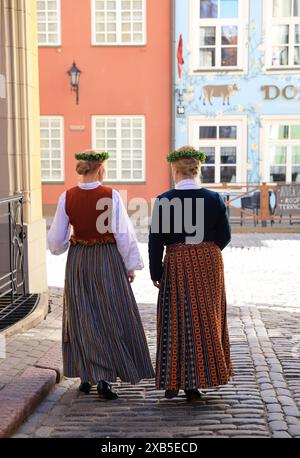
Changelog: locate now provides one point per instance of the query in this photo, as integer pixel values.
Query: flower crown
(184, 153)
(92, 156)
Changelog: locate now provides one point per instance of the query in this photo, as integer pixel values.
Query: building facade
(123, 49)
(20, 162)
(237, 94)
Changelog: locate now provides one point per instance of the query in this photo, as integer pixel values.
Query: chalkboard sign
(288, 199)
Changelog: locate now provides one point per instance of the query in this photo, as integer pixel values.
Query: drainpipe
(173, 86)
(25, 165)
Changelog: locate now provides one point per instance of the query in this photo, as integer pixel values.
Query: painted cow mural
(226, 91)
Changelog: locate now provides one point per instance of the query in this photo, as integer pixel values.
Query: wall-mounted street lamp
(74, 75)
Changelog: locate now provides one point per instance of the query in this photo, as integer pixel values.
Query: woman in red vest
(103, 336)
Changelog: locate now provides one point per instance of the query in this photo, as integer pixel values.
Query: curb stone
(19, 399)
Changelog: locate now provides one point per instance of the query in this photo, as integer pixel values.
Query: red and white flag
(180, 60)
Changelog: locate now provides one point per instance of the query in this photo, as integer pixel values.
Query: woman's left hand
(131, 276)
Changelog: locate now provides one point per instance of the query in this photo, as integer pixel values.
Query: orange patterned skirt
(193, 348)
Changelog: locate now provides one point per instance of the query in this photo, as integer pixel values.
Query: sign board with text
(288, 199)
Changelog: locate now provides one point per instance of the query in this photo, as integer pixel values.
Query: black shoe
(169, 394)
(192, 394)
(105, 391)
(85, 387)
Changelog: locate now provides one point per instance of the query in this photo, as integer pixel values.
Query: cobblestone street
(263, 400)
(173, 120)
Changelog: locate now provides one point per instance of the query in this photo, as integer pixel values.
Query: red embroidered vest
(81, 208)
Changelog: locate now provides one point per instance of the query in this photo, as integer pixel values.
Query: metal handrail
(12, 198)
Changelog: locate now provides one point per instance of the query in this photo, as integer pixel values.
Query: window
(282, 151)
(48, 19)
(283, 33)
(52, 148)
(222, 142)
(124, 138)
(218, 34)
(118, 22)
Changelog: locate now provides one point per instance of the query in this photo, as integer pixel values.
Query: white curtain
(282, 8)
(296, 7)
(207, 57)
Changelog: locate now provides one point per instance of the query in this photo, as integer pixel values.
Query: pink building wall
(115, 80)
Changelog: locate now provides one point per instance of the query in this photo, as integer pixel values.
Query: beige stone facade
(19, 128)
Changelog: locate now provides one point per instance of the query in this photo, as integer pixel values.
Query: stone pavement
(30, 365)
(262, 400)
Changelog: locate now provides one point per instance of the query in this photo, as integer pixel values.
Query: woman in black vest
(192, 340)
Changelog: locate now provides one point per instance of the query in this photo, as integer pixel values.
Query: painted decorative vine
(195, 94)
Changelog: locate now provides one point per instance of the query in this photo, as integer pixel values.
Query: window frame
(194, 25)
(241, 142)
(118, 25)
(59, 30)
(62, 157)
(265, 142)
(118, 148)
(269, 21)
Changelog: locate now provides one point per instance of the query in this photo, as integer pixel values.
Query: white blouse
(127, 244)
(187, 183)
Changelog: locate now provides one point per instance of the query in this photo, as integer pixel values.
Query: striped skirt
(192, 335)
(103, 336)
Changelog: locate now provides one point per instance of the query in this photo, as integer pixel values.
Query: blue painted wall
(249, 100)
